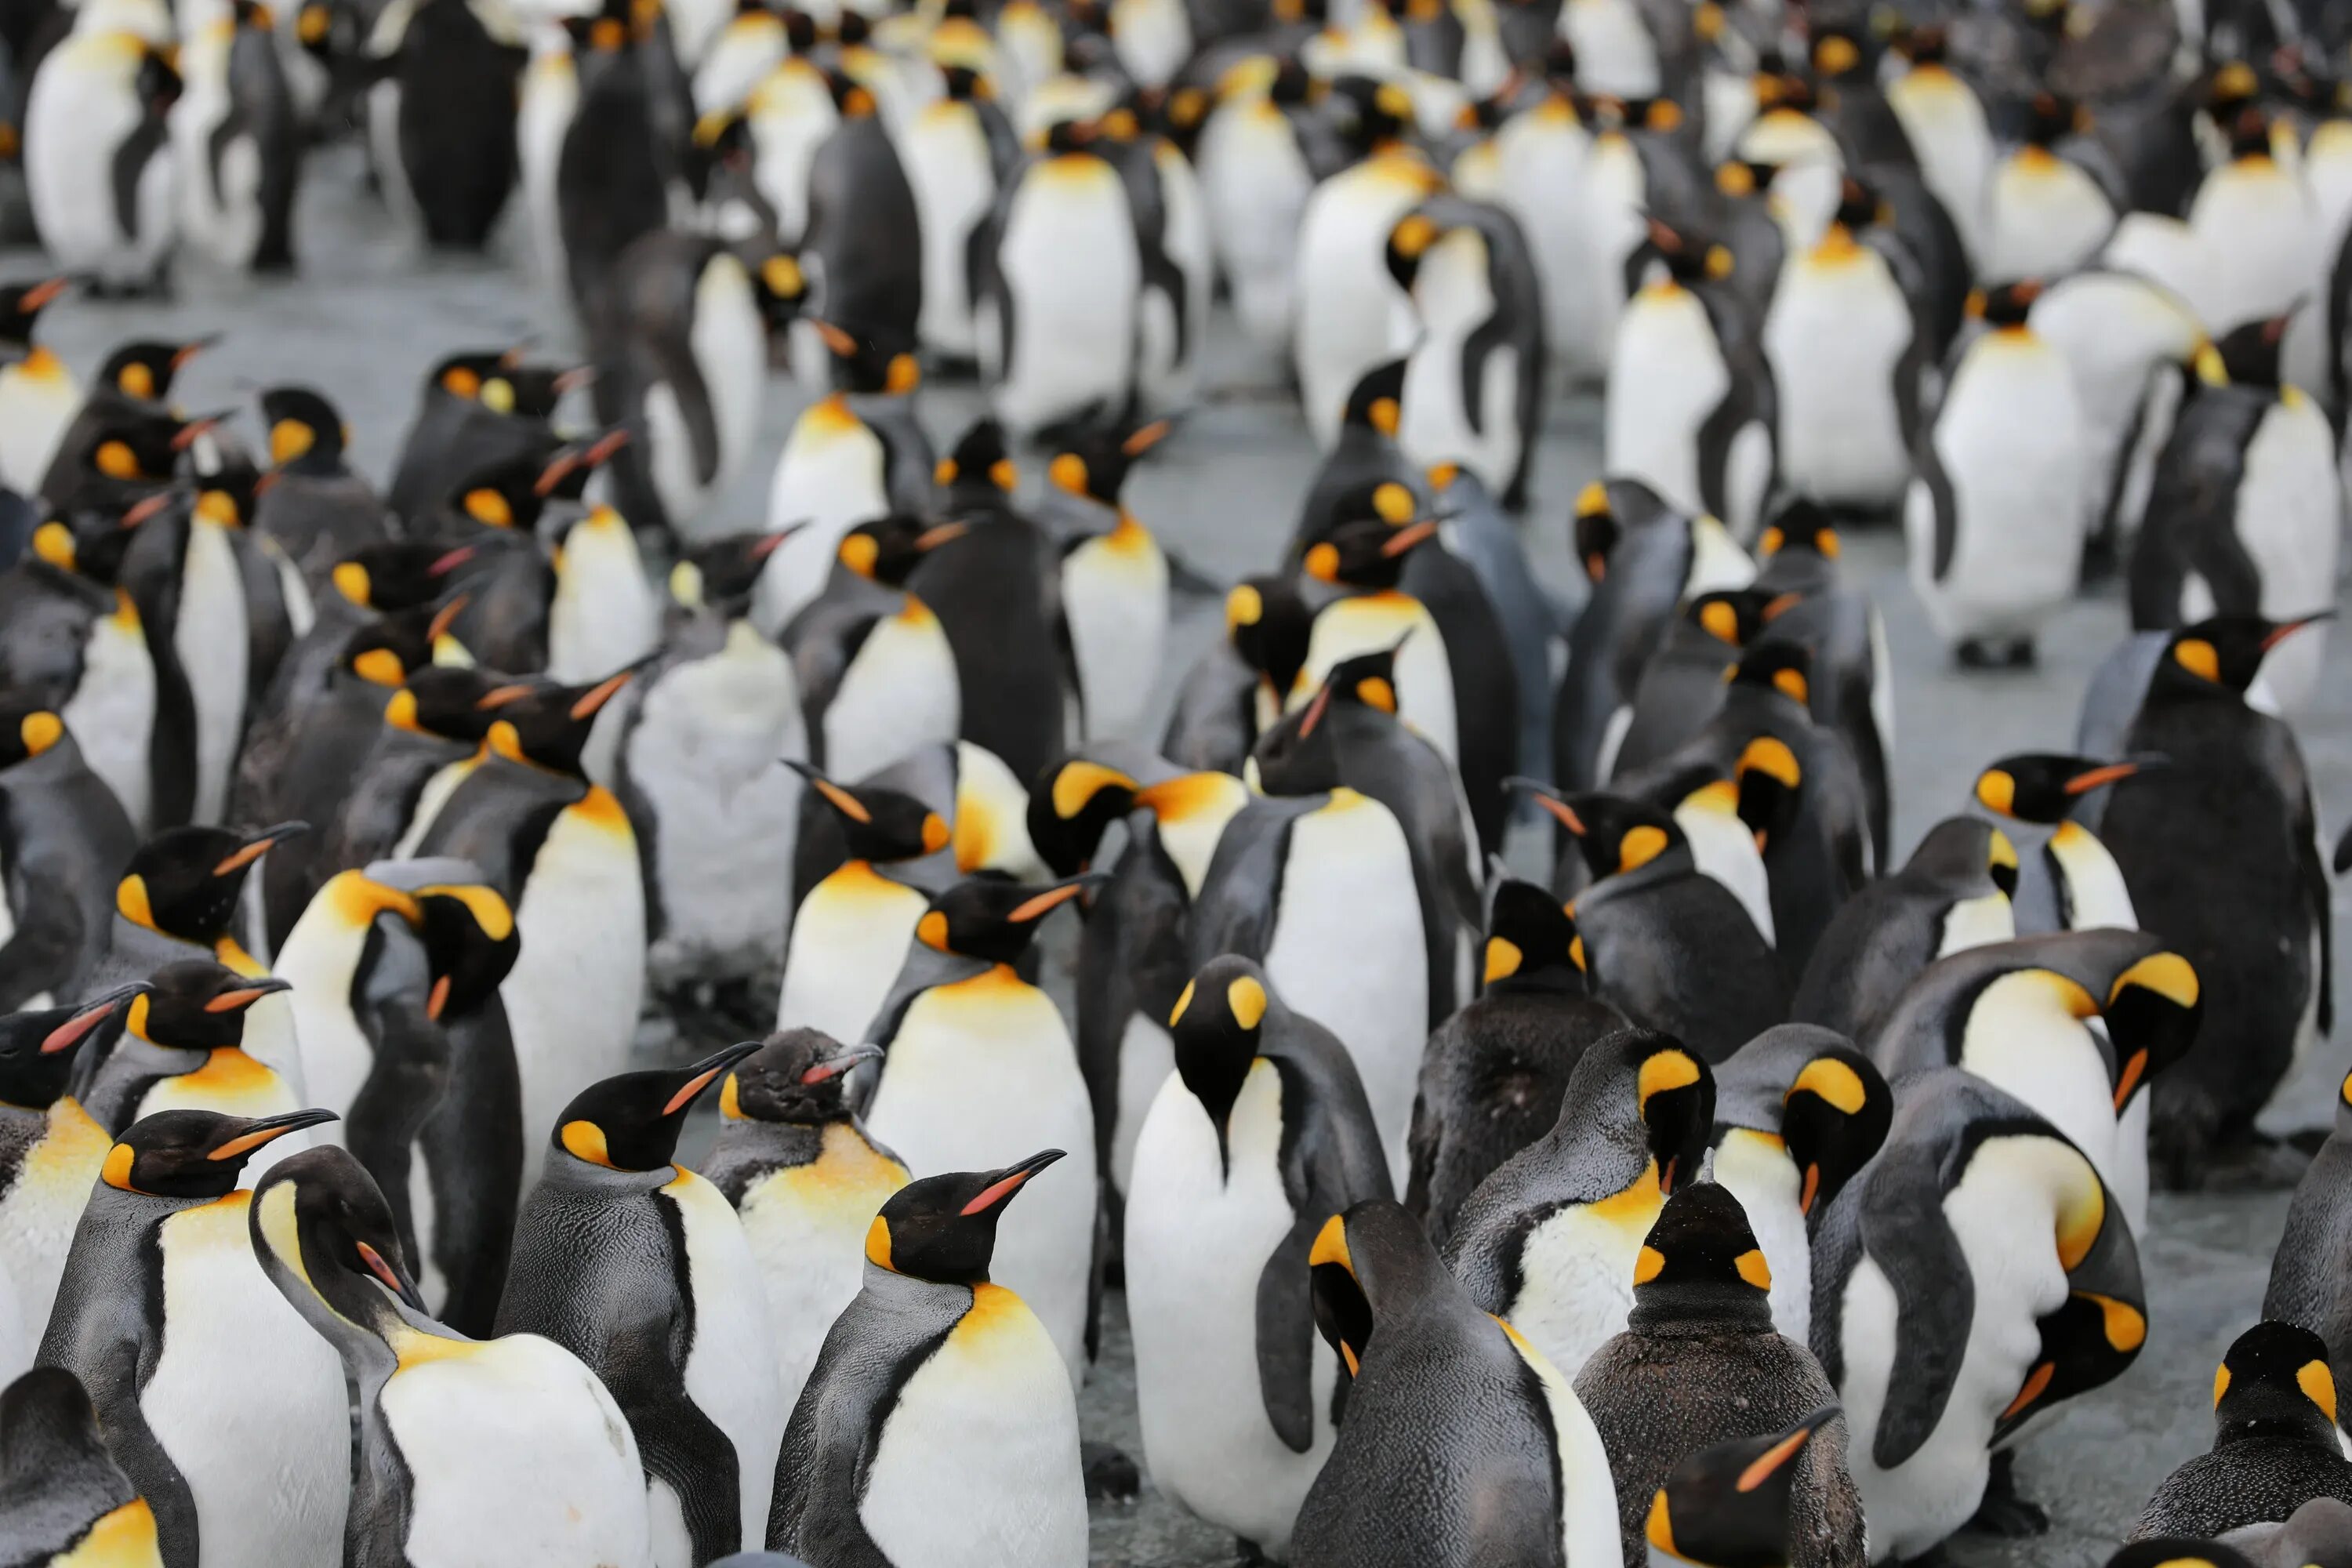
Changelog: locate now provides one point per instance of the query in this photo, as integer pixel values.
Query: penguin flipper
(1906, 1234)
(113, 1380)
(1285, 1334)
(40, 955)
(687, 1452)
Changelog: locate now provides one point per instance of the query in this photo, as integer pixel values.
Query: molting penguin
(1473, 383)
(63, 841)
(892, 1452)
(99, 167)
(876, 677)
(1551, 1241)
(227, 1415)
(1699, 1363)
(1260, 1138)
(666, 1253)
(2274, 1442)
(850, 930)
(62, 1495)
(2073, 883)
(1732, 1502)
(1524, 1477)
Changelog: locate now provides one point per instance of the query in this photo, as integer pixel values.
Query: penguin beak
(1408, 537)
(2286, 629)
(1774, 608)
(258, 846)
(394, 1278)
(1315, 710)
(767, 545)
(264, 1130)
(187, 435)
(932, 538)
(140, 512)
(1009, 1181)
(447, 616)
(1053, 898)
(2090, 779)
(245, 996)
(604, 692)
(76, 1029)
(41, 293)
(1548, 798)
(705, 1073)
(833, 1067)
(192, 348)
(605, 447)
(451, 562)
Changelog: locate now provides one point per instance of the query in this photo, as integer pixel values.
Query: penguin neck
(1700, 1309)
(567, 1172)
(1545, 979)
(2278, 1418)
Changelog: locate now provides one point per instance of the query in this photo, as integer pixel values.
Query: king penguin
(877, 675)
(99, 167)
(1112, 584)
(2274, 1441)
(38, 396)
(50, 1153)
(182, 1047)
(1732, 1501)
(2073, 884)
(849, 931)
(62, 1494)
(63, 840)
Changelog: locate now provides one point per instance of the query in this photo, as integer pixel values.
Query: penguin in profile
(183, 1047)
(1953, 893)
(1733, 1501)
(1474, 382)
(1699, 1363)
(1236, 689)
(1971, 1186)
(707, 1405)
(1364, 453)
(1550, 1240)
(862, 246)
(179, 898)
(99, 168)
(795, 1159)
(1945, 124)
(441, 118)
(63, 838)
(161, 1291)
(2305, 1289)
(317, 510)
(1429, 1371)
(2073, 884)
(887, 1455)
(1260, 1138)
(50, 1152)
(2218, 851)
(38, 395)
(1493, 1073)
(1112, 585)
(974, 1057)
(1799, 1112)
(558, 1478)
(2274, 1441)
(238, 132)
(62, 1494)
(476, 410)
(1682, 686)
(876, 676)
(133, 386)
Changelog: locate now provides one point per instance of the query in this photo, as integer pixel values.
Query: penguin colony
(1529, 1114)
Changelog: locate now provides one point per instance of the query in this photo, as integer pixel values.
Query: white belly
(550, 97)
(898, 695)
(1724, 848)
(2260, 237)
(1255, 182)
(36, 406)
(849, 941)
(1146, 1057)
(731, 1368)
(604, 614)
(1948, 130)
(112, 712)
(2095, 892)
(1756, 1169)
(728, 342)
(1115, 598)
(80, 109)
(831, 478)
(946, 154)
(2018, 1042)
(212, 636)
(1425, 675)
(1346, 297)
(1614, 51)
(1454, 300)
(2290, 513)
(1666, 375)
(43, 1205)
(2048, 218)
(1834, 342)
(1070, 268)
(429, 802)
(807, 1229)
(1542, 154)
(1577, 1277)
(1977, 922)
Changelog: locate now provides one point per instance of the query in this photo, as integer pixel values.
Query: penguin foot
(1246, 1553)
(1975, 654)
(2006, 1512)
(1111, 1476)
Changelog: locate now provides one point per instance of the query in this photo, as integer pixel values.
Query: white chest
(1115, 598)
(849, 942)
(1666, 375)
(1576, 1274)
(2019, 1039)
(806, 1226)
(730, 1367)
(212, 638)
(898, 695)
(1424, 674)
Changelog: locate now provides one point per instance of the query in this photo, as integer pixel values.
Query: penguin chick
(1463, 1445)
(2274, 1442)
(2073, 883)
(1728, 1505)
(794, 1158)
(892, 1456)
(1493, 1074)
(2317, 1535)
(183, 1047)
(62, 1495)
(1549, 1241)
(1699, 1363)
(616, 1248)
(1953, 893)
(161, 1293)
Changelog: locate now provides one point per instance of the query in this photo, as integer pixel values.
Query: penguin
(1954, 893)
(1699, 1363)
(1550, 1240)
(115, 462)
(65, 1495)
(178, 897)
(2073, 884)
(2317, 1533)
(706, 1404)
(50, 1153)
(875, 673)
(63, 840)
(786, 117)
(1255, 177)
(603, 614)
(2274, 1441)
(2219, 852)
(952, 155)
(99, 169)
(2046, 210)
(167, 1320)
(2304, 1290)
(1682, 685)
(2257, 225)
(134, 387)
(1493, 1075)
(1169, 212)
(1526, 1478)
(1522, 620)
(1260, 1138)
(1237, 687)
(977, 1057)
(1638, 162)
(1474, 384)
(2244, 509)
(795, 1159)
(1799, 1112)
(1733, 1501)
(615, 169)
(1364, 559)
(1055, 346)
(2006, 445)
(444, 1458)
(236, 132)
(1540, 153)
(1690, 406)
(850, 931)
(1644, 913)
(1112, 585)
(477, 409)
(1945, 124)
(441, 118)
(182, 1047)
(38, 395)
(317, 508)
(395, 973)
(1363, 455)
(862, 246)
(888, 1454)
(1970, 1188)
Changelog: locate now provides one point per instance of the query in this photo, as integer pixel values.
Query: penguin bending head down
(2274, 1442)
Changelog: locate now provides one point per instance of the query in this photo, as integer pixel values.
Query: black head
(138, 444)
(2233, 87)
(471, 944)
(2248, 354)
(187, 881)
(1959, 853)
(2275, 1382)
(512, 492)
(303, 427)
(1371, 1263)
(604, 31)
(1859, 207)
(1270, 624)
(144, 369)
(385, 650)
(777, 279)
(1734, 617)
(2221, 655)
(1691, 256)
(1674, 1095)
(1377, 403)
(1369, 551)
(2049, 118)
(2046, 786)
(1408, 242)
(158, 81)
(92, 541)
(2250, 134)
(887, 549)
(1529, 937)
(867, 364)
(1780, 666)
(395, 575)
(1294, 86)
(2005, 305)
(50, 1446)
(943, 1228)
(28, 727)
(1375, 113)
(1214, 1029)
(37, 1047)
(852, 99)
(466, 374)
(1729, 1506)
(631, 1120)
(550, 724)
(321, 1226)
(1739, 179)
(1361, 680)
(1094, 463)
(723, 574)
(1801, 525)
(1833, 1117)
(1065, 138)
(980, 470)
(1700, 1262)
(797, 1076)
(993, 919)
(196, 1004)
(1074, 803)
(883, 826)
(1613, 833)
(447, 701)
(2153, 1011)
(1597, 529)
(1770, 782)
(21, 305)
(195, 1154)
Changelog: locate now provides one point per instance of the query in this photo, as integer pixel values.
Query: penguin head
(867, 365)
(1215, 1028)
(1373, 113)
(993, 919)
(1771, 781)
(467, 374)
(852, 100)
(798, 1076)
(1690, 257)
(1269, 624)
(2176, 1551)
(138, 444)
(943, 1228)
(2153, 1011)
(1700, 1262)
(2233, 87)
(565, 475)
(196, 1004)
(526, 389)
(1293, 86)
(385, 650)
(28, 727)
(980, 470)
(1408, 241)
(49, 1438)
(1838, 51)
(2250, 134)
(2275, 1382)
(2220, 655)
(471, 944)
(21, 305)
(328, 1239)
(1734, 617)
(1612, 833)
(158, 81)
(1074, 803)
(144, 369)
(887, 549)
(608, 30)
(195, 1154)
(396, 575)
(2248, 354)
(1597, 529)
(1068, 138)
(509, 494)
(877, 824)
(1924, 46)
(451, 702)
(1730, 1505)
(1365, 549)
(1094, 463)
(962, 84)
(1745, 179)
(38, 1046)
(92, 542)
(631, 1120)
(185, 881)
(1959, 855)
(777, 278)
(2004, 306)
(1370, 1263)
(1834, 1116)
(550, 724)
(723, 574)
(1674, 1096)
(1377, 402)
(1530, 939)
(304, 428)
(2045, 787)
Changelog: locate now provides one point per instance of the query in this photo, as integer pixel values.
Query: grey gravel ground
(368, 316)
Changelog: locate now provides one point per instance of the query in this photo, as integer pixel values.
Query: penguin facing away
(2274, 1442)
(2305, 1289)
(63, 838)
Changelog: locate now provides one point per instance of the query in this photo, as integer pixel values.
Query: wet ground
(367, 316)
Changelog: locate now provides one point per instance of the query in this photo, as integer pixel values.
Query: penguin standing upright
(1256, 177)
(98, 161)
(1540, 152)
(182, 1047)
(876, 674)
(2304, 1290)
(1524, 1477)
(849, 931)
(50, 1152)
(976, 1056)
(65, 1495)
(2274, 1441)
(615, 169)
(38, 396)
(1474, 384)
(441, 119)
(2257, 229)
(1364, 559)
(890, 1456)
(1113, 582)
(236, 132)
(445, 1461)
(167, 1319)
(2046, 212)
(1945, 124)
(954, 156)
(2073, 884)
(706, 1404)
(1261, 1137)
(63, 840)
(862, 246)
